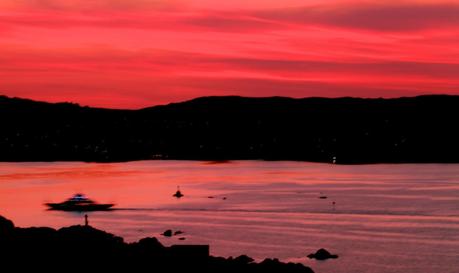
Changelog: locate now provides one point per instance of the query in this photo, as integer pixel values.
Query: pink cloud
(138, 53)
(378, 17)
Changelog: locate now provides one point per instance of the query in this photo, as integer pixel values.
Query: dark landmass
(352, 130)
(322, 254)
(86, 249)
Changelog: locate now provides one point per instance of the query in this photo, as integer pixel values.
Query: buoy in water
(178, 193)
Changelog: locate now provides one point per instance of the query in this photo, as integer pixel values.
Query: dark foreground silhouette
(86, 249)
(343, 130)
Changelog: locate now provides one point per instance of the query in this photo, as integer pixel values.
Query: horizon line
(229, 96)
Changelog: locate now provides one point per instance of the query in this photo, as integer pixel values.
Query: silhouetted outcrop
(6, 227)
(167, 233)
(342, 130)
(84, 248)
(245, 264)
(322, 254)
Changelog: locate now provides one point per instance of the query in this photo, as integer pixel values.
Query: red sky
(137, 53)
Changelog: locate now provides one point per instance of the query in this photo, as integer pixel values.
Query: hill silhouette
(351, 130)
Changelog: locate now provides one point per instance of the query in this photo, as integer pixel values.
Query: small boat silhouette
(178, 193)
(322, 196)
(79, 202)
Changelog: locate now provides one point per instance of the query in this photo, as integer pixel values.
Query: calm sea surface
(387, 218)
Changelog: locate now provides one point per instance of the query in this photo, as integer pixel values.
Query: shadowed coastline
(87, 249)
(342, 130)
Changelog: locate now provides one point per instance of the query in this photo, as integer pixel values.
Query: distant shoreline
(227, 161)
(324, 130)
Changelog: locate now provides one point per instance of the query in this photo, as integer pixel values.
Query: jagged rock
(178, 232)
(167, 233)
(322, 254)
(150, 243)
(243, 259)
(85, 245)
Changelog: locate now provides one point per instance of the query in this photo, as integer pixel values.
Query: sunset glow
(138, 53)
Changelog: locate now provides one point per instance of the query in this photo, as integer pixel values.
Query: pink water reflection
(387, 218)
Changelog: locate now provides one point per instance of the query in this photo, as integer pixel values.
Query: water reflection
(386, 218)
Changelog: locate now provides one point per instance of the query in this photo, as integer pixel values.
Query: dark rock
(322, 254)
(88, 233)
(6, 226)
(243, 259)
(178, 232)
(245, 264)
(146, 248)
(150, 244)
(274, 265)
(48, 249)
(167, 233)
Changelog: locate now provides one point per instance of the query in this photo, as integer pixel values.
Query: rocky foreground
(84, 248)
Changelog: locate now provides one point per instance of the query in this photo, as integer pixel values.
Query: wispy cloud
(378, 17)
(143, 52)
(77, 5)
